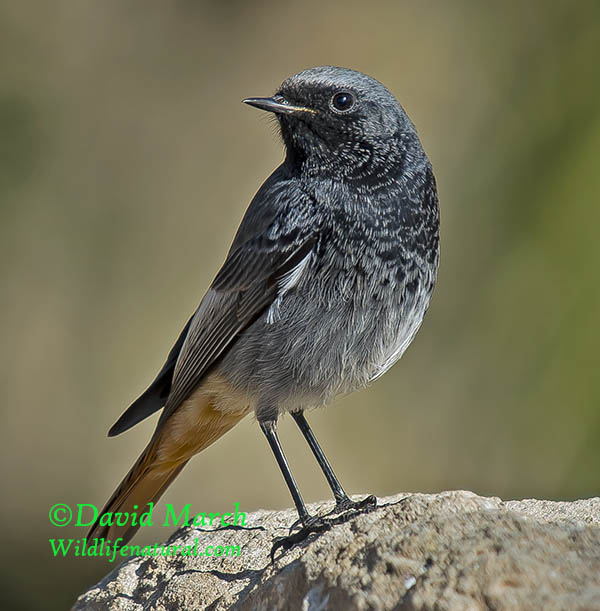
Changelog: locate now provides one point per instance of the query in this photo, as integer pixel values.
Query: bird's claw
(311, 521)
(347, 504)
(313, 525)
(343, 511)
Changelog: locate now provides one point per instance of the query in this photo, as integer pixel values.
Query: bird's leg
(342, 501)
(310, 524)
(269, 429)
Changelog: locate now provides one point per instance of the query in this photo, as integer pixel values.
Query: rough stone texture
(448, 551)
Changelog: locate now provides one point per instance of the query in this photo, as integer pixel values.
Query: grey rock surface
(448, 551)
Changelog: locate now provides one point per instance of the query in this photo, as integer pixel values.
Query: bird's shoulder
(281, 207)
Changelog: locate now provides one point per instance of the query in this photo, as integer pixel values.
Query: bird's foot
(343, 511)
(347, 504)
(312, 525)
(307, 522)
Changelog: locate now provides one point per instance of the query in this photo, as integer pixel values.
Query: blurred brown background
(126, 162)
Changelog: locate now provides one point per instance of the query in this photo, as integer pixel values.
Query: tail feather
(194, 426)
(143, 484)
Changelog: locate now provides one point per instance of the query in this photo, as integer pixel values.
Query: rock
(448, 551)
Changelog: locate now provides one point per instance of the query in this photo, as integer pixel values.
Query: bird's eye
(342, 101)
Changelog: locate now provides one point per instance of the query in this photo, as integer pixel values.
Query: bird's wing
(245, 286)
(155, 395)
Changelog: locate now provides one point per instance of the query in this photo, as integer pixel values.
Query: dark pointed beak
(277, 105)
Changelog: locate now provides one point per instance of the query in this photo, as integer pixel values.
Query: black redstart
(324, 287)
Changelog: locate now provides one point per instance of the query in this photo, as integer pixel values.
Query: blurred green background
(126, 163)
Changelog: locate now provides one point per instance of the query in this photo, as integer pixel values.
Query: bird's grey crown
(386, 110)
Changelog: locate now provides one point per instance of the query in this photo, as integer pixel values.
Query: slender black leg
(342, 500)
(310, 524)
(269, 429)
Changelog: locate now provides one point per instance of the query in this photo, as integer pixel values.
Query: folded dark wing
(244, 287)
(155, 395)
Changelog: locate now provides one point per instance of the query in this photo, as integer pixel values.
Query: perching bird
(324, 287)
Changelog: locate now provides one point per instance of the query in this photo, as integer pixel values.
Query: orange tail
(193, 427)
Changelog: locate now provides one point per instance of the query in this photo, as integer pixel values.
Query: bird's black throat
(369, 164)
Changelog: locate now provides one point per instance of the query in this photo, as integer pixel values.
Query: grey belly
(305, 349)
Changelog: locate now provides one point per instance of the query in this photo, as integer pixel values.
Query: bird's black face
(332, 116)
